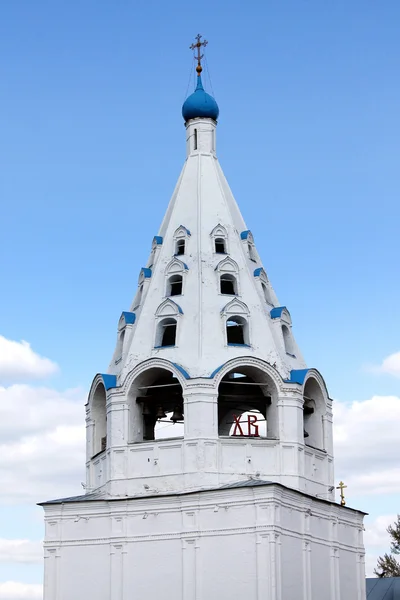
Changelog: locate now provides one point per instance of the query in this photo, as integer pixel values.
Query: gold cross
(199, 56)
(341, 487)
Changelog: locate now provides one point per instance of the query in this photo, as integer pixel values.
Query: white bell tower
(209, 440)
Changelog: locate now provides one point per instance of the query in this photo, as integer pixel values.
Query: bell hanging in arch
(160, 413)
(177, 415)
(146, 410)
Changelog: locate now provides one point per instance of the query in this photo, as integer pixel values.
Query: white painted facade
(206, 336)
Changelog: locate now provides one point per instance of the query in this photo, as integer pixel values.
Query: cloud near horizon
(389, 366)
(18, 362)
(13, 590)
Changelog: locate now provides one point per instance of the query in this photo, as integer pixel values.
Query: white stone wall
(258, 543)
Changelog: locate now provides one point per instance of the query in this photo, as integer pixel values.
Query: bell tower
(209, 433)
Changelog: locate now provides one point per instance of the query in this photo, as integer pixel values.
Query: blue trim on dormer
(146, 272)
(297, 376)
(277, 312)
(110, 381)
(257, 272)
(182, 370)
(186, 229)
(158, 240)
(245, 234)
(130, 317)
(186, 267)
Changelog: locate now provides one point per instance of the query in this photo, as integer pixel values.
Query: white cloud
(42, 446)
(376, 534)
(21, 551)
(376, 541)
(391, 365)
(18, 362)
(366, 438)
(12, 590)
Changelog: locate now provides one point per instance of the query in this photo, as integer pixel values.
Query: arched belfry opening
(247, 404)
(314, 408)
(99, 418)
(156, 406)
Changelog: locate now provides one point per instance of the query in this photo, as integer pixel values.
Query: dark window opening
(220, 246)
(251, 252)
(180, 247)
(287, 340)
(266, 293)
(168, 332)
(234, 330)
(175, 285)
(195, 139)
(228, 285)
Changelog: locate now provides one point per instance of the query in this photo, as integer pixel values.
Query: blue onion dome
(200, 104)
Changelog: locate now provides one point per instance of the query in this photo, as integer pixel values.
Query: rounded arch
(247, 400)
(154, 363)
(315, 399)
(98, 413)
(249, 361)
(155, 397)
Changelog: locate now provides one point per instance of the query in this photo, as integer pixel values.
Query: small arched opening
(120, 345)
(156, 406)
(250, 250)
(237, 333)
(220, 246)
(139, 295)
(314, 409)
(180, 247)
(288, 340)
(247, 404)
(174, 285)
(228, 284)
(166, 333)
(99, 417)
(267, 295)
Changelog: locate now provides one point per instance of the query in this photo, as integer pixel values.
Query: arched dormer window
(260, 274)
(120, 347)
(250, 250)
(156, 244)
(266, 293)
(228, 284)
(175, 272)
(181, 237)
(219, 237)
(126, 321)
(138, 297)
(167, 316)
(180, 247)
(220, 246)
(144, 280)
(166, 333)
(281, 316)
(228, 272)
(287, 339)
(236, 331)
(236, 322)
(174, 285)
(247, 238)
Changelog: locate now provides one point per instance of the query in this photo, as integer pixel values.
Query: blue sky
(92, 142)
